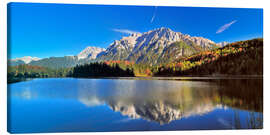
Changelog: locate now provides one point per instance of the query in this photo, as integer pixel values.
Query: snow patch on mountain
(90, 52)
(26, 59)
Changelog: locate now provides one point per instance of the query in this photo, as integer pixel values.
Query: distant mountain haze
(27, 59)
(152, 47)
(23, 60)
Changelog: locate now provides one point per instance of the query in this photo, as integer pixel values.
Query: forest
(239, 58)
(101, 70)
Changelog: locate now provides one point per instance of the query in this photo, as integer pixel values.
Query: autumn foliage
(240, 58)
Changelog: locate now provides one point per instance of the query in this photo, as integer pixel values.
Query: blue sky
(45, 30)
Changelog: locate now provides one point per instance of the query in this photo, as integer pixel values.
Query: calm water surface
(73, 105)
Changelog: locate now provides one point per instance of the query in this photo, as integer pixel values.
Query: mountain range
(23, 60)
(153, 47)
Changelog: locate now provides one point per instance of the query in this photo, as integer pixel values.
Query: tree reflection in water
(251, 121)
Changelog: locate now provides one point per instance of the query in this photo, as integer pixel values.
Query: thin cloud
(154, 15)
(124, 120)
(226, 26)
(125, 31)
(224, 122)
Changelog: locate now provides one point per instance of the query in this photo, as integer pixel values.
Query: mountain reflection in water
(161, 101)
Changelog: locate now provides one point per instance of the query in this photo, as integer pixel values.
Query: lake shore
(190, 78)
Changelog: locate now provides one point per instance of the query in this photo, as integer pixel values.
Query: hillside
(60, 62)
(178, 50)
(239, 58)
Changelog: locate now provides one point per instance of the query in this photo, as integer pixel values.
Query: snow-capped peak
(27, 59)
(90, 52)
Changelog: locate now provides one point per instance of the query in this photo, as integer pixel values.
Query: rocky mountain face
(151, 47)
(120, 49)
(223, 43)
(90, 52)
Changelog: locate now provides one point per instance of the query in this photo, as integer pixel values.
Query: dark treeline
(97, 69)
(242, 93)
(101, 70)
(24, 71)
